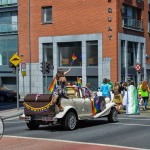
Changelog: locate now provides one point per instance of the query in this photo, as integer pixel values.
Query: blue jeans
(145, 99)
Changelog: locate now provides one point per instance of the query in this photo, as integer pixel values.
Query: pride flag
(74, 57)
(52, 87)
(79, 81)
(132, 105)
(95, 105)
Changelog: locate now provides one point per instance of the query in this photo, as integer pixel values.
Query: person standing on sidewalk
(117, 96)
(132, 106)
(144, 89)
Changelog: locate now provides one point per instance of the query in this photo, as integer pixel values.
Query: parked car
(7, 94)
(39, 110)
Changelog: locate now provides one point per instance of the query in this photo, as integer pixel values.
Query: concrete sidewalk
(10, 113)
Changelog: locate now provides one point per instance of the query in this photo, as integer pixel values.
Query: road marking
(134, 119)
(144, 125)
(74, 142)
(12, 122)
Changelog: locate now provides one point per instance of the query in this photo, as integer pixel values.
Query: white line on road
(134, 118)
(130, 124)
(55, 140)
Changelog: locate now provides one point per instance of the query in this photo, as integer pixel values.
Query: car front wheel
(113, 115)
(70, 121)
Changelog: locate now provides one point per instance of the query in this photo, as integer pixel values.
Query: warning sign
(15, 60)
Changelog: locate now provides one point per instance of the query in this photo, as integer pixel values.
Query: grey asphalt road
(129, 131)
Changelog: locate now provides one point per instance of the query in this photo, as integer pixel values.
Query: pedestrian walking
(144, 89)
(105, 88)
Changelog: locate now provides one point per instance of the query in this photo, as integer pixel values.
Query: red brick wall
(69, 18)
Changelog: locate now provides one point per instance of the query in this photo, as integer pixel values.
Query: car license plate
(47, 119)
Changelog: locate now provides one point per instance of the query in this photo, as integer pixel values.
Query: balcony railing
(133, 24)
(8, 27)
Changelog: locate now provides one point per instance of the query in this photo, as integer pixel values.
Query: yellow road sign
(15, 60)
(23, 73)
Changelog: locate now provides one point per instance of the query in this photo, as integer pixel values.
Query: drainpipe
(29, 47)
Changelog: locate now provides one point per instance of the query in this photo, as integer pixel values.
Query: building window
(68, 51)
(132, 18)
(8, 22)
(8, 2)
(92, 53)
(93, 80)
(47, 14)
(8, 47)
(131, 56)
(48, 52)
(122, 53)
(141, 53)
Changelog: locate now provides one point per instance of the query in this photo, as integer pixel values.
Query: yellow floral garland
(43, 108)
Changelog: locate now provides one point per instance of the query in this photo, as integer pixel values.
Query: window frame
(43, 11)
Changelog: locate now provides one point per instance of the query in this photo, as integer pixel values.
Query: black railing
(134, 24)
(8, 27)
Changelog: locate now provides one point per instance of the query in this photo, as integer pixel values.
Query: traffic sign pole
(17, 78)
(15, 60)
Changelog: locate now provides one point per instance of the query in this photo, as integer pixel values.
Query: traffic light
(48, 67)
(43, 67)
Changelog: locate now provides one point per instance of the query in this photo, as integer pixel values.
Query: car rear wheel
(70, 121)
(2, 98)
(32, 125)
(113, 115)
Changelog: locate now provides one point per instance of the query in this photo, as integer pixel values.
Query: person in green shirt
(144, 89)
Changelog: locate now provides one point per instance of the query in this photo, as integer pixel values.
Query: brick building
(108, 37)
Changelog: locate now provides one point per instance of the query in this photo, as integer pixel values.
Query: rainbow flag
(52, 87)
(79, 81)
(95, 106)
(74, 57)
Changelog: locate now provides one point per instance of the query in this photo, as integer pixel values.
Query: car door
(83, 106)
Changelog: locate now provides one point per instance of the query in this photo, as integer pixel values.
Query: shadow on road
(81, 124)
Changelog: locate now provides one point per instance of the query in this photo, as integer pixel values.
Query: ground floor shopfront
(90, 64)
(132, 51)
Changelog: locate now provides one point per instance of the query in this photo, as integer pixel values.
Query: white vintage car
(38, 109)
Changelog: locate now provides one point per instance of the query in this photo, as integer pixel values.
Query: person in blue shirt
(105, 88)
